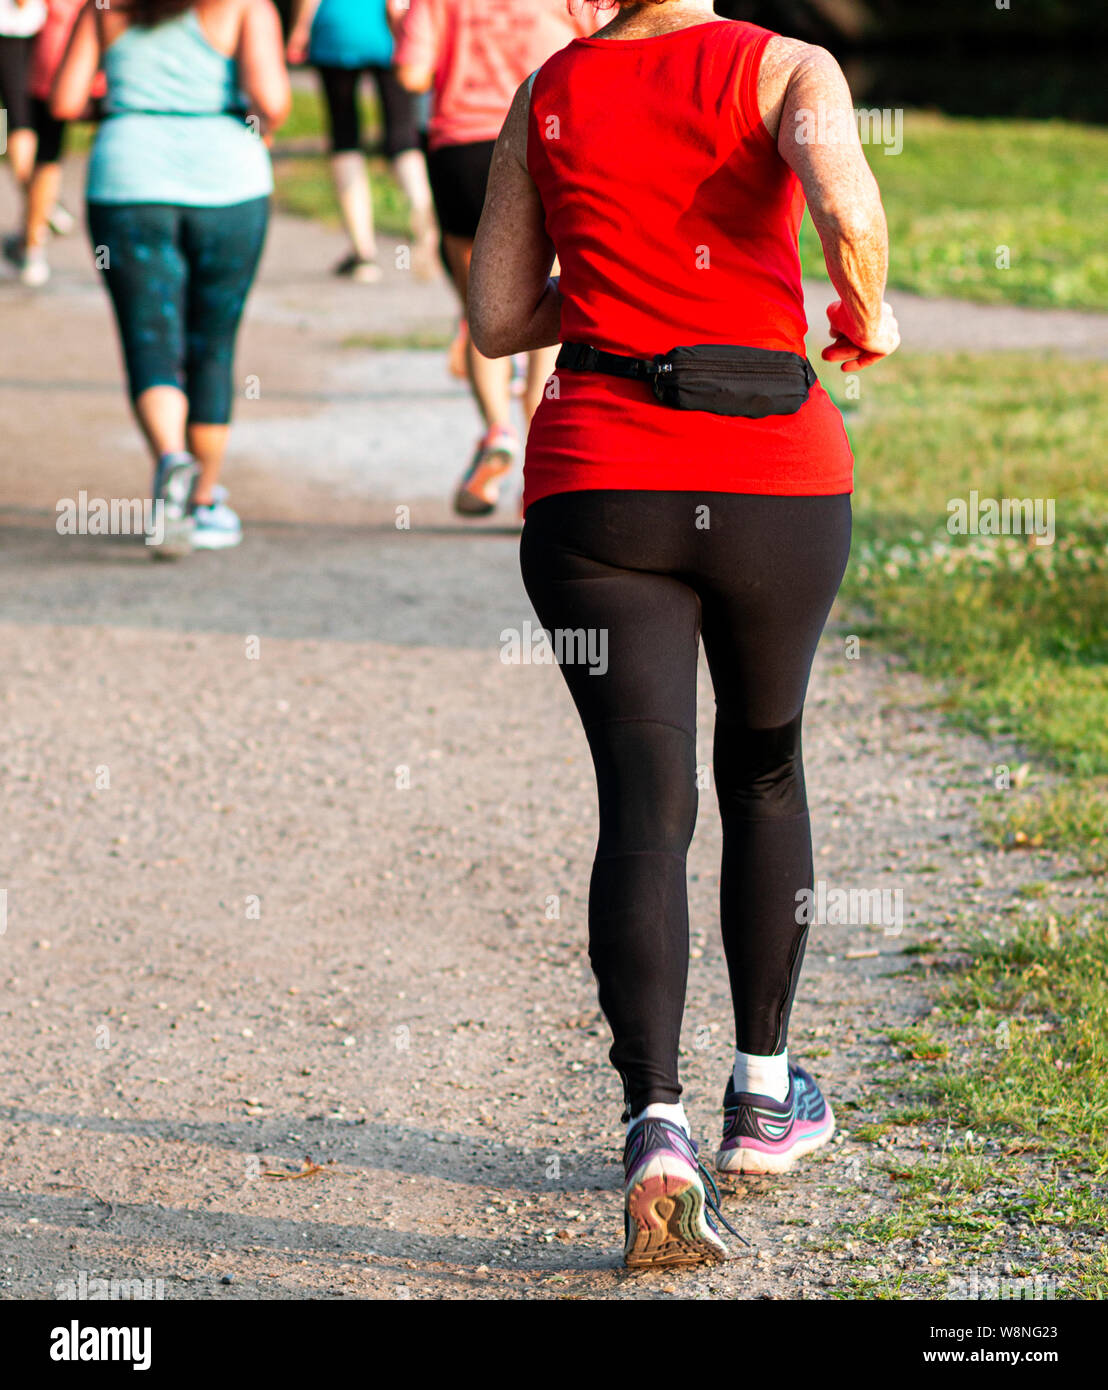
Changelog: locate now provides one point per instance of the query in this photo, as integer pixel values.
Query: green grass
(304, 178)
(1073, 816)
(918, 1044)
(419, 340)
(961, 188)
(304, 189)
(308, 121)
(1017, 631)
(869, 1134)
(1039, 1003)
(1017, 1122)
(1008, 1081)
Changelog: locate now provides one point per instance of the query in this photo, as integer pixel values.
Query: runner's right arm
(75, 78)
(302, 18)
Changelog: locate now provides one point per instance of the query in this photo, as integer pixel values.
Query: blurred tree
(819, 21)
(891, 21)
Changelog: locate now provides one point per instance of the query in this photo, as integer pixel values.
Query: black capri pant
(757, 585)
(50, 132)
(399, 108)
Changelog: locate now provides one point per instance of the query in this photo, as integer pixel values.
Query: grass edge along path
(1014, 630)
(1004, 1099)
(993, 1150)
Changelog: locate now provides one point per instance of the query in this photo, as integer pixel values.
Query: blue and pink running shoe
(762, 1135)
(667, 1210)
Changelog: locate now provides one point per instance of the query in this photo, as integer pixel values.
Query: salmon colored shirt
(480, 51)
(50, 46)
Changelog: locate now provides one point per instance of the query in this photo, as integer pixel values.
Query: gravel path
(282, 834)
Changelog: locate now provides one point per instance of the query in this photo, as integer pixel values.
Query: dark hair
(150, 12)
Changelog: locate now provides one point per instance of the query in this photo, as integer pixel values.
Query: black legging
(655, 571)
(399, 110)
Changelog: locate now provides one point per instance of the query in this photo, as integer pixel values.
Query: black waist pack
(721, 379)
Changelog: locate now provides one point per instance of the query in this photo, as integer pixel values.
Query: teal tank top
(351, 34)
(175, 128)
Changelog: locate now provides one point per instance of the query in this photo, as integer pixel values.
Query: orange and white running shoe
(667, 1210)
(495, 457)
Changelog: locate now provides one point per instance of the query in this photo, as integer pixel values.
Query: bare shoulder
(240, 11)
(259, 21)
(515, 131)
(224, 22)
(255, 10)
(783, 57)
(785, 61)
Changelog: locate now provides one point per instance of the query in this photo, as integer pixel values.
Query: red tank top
(676, 222)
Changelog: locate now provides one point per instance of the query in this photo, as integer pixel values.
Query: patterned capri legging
(178, 278)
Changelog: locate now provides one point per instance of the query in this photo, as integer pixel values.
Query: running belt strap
(577, 357)
(722, 378)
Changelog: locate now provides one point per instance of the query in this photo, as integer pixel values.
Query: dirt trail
(288, 898)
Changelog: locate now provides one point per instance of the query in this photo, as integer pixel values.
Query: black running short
(459, 177)
(50, 132)
(15, 68)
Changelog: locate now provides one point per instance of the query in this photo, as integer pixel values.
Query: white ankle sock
(762, 1076)
(658, 1110)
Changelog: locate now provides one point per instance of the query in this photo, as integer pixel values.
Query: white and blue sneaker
(217, 526)
(764, 1135)
(174, 478)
